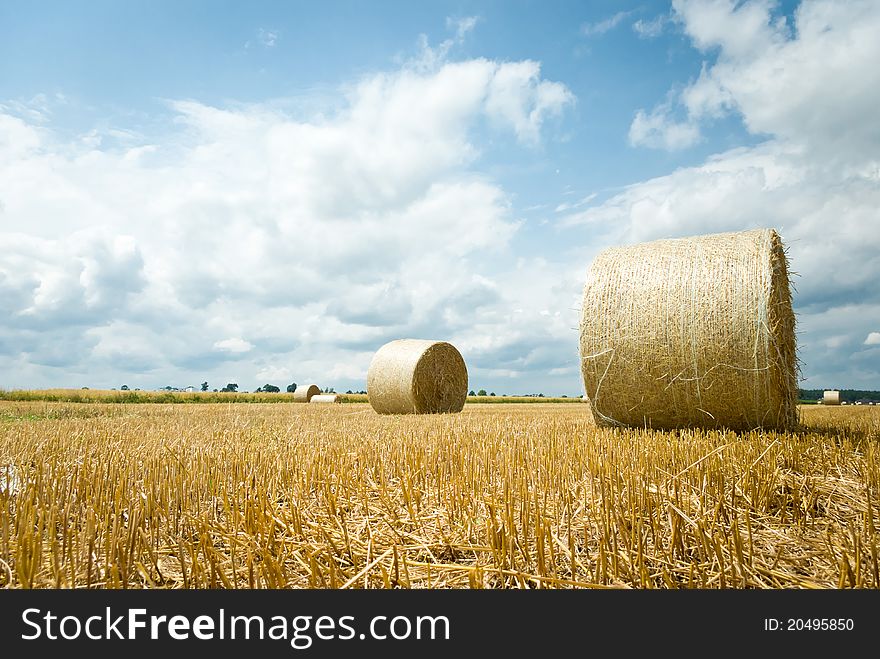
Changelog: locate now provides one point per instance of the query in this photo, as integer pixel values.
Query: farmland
(267, 495)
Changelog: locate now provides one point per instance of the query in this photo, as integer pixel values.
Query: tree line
(847, 395)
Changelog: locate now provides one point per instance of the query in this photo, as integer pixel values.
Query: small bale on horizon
(831, 397)
(325, 398)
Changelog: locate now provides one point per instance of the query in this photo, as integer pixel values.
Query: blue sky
(267, 192)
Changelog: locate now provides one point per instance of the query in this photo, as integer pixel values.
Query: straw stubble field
(233, 495)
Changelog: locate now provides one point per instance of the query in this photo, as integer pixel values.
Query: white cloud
(431, 58)
(518, 96)
(462, 26)
(650, 29)
(291, 246)
(235, 344)
(739, 29)
(17, 138)
(873, 339)
(603, 26)
(819, 95)
(274, 373)
(659, 130)
(570, 206)
(268, 38)
(836, 341)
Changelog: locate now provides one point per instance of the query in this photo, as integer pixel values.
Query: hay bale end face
(414, 376)
(304, 392)
(325, 398)
(693, 332)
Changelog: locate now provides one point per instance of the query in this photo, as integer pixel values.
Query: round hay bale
(693, 332)
(304, 392)
(325, 398)
(413, 376)
(831, 397)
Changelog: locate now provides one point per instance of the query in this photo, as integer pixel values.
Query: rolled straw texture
(413, 376)
(693, 332)
(304, 392)
(325, 398)
(831, 397)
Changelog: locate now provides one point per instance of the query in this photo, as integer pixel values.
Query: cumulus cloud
(873, 339)
(82, 280)
(274, 373)
(18, 138)
(820, 96)
(518, 96)
(292, 246)
(234, 344)
(658, 129)
(809, 88)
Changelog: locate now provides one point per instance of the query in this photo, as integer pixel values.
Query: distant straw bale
(304, 392)
(693, 332)
(831, 397)
(413, 376)
(325, 398)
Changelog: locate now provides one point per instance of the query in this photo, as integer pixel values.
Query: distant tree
(270, 388)
(291, 387)
(481, 392)
(85, 387)
(230, 387)
(204, 386)
(492, 394)
(215, 391)
(348, 392)
(540, 395)
(124, 387)
(471, 393)
(258, 390)
(564, 396)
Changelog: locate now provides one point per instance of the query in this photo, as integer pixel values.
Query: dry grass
(139, 396)
(499, 496)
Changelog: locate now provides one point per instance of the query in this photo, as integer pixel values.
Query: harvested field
(227, 495)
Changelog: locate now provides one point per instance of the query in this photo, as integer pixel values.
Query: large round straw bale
(831, 397)
(412, 376)
(304, 392)
(325, 398)
(693, 332)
